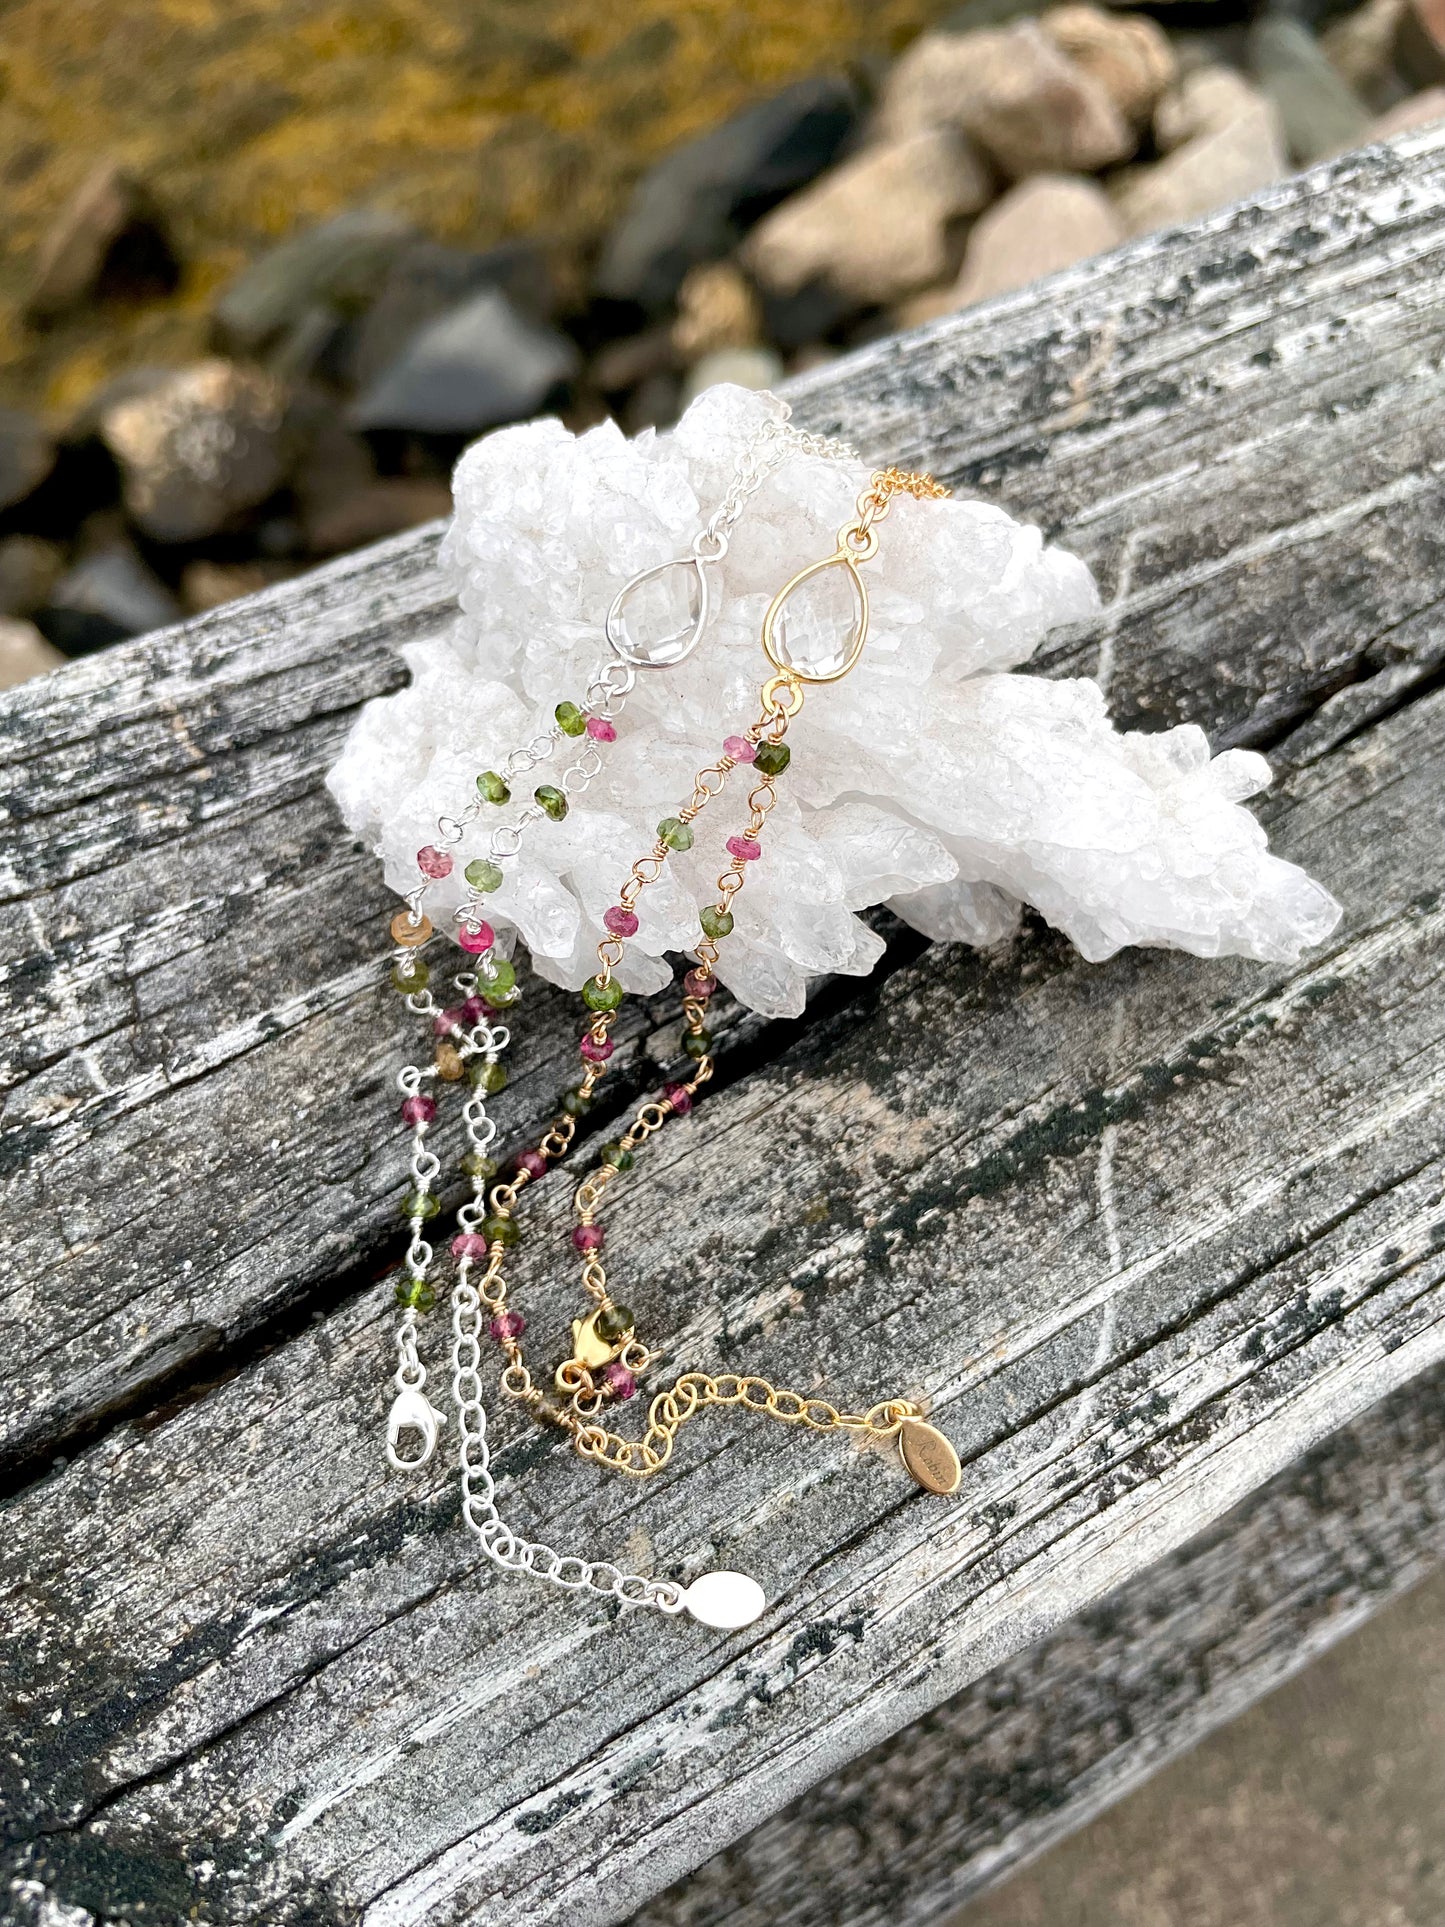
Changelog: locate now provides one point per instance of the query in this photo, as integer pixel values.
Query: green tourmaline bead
(486, 1077)
(618, 1156)
(477, 1164)
(410, 976)
(496, 977)
(493, 788)
(570, 719)
(772, 758)
(551, 800)
(715, 923)
(601, 996)
(483, 874)
(613, 1323)
(697, 1043)
(500, 1231)
(420, 1204)
(576, 1105)
(676, 834)
(502, 999)
(415, 1294)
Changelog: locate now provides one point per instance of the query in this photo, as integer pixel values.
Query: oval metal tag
(929, 1457)
(725, 1600)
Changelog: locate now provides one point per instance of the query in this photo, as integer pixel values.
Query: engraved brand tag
(929, 1457)
(725, 1600)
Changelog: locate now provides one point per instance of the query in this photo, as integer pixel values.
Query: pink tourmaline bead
(477, 937)
(507, 1324)
(473, 1011)
(419, 1110)
(699, 983)
(622, 923)
(746, 847)
(433, 863)
(469, 1244)
(447, 1020)
(588, 1237)
(620, 1381)
(679, 1097)
(533, 1163)
(740, 749)
(600, 730)
(594, 1052)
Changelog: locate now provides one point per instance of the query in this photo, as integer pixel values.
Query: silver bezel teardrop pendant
(671, 649)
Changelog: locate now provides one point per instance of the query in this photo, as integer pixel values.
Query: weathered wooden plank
(1176, 1221)
(1044, 1742)
(1242, 429)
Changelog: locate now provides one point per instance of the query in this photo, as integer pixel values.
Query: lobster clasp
(412, 1411)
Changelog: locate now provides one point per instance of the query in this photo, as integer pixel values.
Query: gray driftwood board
(1143, 1233)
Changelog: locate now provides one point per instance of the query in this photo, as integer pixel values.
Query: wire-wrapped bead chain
(607, 1354)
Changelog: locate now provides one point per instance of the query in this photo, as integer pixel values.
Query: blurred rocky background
(268, 267)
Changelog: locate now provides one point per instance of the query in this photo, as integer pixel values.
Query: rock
(1127, 54)
(339, 266)
(481, 364)
(197, 448)
(29, 571)
(743, 367)
(1361, 49)
(717, 307)
(24, 652)
(207, 585)
(385, 508)
(1420, 42)
(1420, 110)
(1319, 113)
(107, 596)
(879, 225)
(1045, 223)
(109, 240)
(1026, 103)
(652, 404)
(697, 202)
(1207, 169)
(623, 364)
(425, 281)
(27, 455)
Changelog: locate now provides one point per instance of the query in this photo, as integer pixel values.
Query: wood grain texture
(1039, 1746)
(1141, 1233)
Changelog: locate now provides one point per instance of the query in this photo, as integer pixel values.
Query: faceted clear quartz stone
(817, 625)
(659, 615)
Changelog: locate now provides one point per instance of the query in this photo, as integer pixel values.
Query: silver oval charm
(678, 644)
(725, 1600)
(815, 657)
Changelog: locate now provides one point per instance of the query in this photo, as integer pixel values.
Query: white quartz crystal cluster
(933, 778)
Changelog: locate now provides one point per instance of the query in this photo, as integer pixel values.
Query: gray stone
(27, 455)
(481, 364)
(879, 225)
(107, 596)
(110, 239)
(696, 203)
(426, 280)
(197, 448)
(339, 265)
(1319, 113)
(1361, 49)
(1022, 99)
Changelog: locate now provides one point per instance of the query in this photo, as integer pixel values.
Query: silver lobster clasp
(413, 1411)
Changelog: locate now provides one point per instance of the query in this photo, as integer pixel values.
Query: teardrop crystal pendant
(815, 625)
(657, 619)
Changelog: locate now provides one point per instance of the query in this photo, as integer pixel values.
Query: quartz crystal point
(932, 777)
